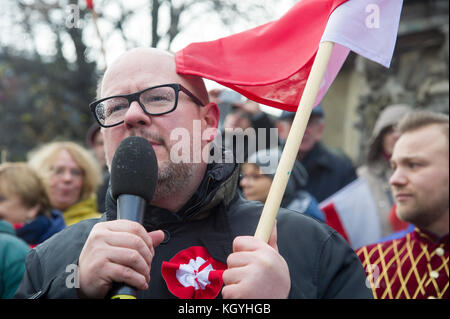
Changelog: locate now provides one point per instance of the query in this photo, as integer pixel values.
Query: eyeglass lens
(155, 101)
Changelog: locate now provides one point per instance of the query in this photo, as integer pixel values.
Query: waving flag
(353, 213)
(270, 64)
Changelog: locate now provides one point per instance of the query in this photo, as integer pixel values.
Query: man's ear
(210, 119)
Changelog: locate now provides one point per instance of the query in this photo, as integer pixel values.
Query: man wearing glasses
(196, 240)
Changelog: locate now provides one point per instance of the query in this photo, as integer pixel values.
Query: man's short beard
(423, 217)
(172, 179)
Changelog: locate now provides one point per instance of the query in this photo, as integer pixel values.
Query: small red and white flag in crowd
(352, 212)
(270, 64)
(193, 274)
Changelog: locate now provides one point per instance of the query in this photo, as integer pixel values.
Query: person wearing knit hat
(377, 169)
(257, 175)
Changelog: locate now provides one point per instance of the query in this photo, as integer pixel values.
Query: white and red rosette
(193, 274)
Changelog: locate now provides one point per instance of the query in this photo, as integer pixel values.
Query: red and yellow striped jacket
(415, 266)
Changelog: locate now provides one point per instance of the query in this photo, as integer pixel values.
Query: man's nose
(135, 116)
(398, 178)
(244, 181)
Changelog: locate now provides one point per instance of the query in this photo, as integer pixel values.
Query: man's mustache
(151, 136)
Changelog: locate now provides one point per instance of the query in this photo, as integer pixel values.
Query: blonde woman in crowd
(71, 176)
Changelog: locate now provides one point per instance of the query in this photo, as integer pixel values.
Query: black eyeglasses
(156, 100)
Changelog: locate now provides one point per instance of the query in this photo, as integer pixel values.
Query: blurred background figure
(257, 178)
(377, 168)
(94, 140)
(236, 136)
(13, 250)
(24, 203)
(71, 176)
(225, 99)
(214, 96)
(328, 170)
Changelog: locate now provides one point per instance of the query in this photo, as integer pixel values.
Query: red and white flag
(270, 64)
(353, 213)
(193, 274)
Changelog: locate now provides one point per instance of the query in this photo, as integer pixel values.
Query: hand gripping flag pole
(289, 154)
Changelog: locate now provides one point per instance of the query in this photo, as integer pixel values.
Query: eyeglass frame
(135, 97)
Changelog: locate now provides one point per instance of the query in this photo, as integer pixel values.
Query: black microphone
(134, 174)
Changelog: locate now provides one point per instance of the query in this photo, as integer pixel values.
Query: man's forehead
(139, 56)
(250, 168)
(424, 142)
(141, 68)
(424, 135)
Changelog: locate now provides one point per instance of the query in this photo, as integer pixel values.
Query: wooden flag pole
(289, 155)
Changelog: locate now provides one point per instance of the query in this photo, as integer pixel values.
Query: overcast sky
(204, 28)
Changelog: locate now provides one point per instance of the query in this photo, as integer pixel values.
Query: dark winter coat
(328, 172)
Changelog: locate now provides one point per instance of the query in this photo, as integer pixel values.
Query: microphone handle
(130, 207)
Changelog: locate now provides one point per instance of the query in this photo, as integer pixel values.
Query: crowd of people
(56, 210)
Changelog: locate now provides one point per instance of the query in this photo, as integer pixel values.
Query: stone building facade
(419, 76)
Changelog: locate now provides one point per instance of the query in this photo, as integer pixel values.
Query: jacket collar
(427, 237)
(317, 157)
(218, 186)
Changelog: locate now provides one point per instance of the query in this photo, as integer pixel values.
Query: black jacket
(328, 172)
(321, 264)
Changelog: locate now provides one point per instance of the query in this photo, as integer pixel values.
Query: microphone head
(134, 169)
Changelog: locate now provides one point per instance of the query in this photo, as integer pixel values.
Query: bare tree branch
(154, 14)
